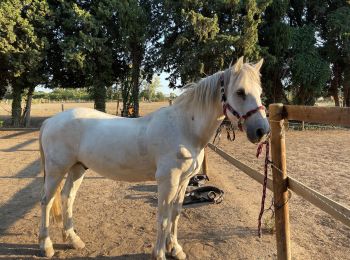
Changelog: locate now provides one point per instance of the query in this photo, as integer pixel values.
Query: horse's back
(108, 144)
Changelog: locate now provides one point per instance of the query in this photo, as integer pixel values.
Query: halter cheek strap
(226, 106)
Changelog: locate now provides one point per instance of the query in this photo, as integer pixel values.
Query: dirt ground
(116, 220)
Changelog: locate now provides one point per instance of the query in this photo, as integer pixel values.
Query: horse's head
(243, 100)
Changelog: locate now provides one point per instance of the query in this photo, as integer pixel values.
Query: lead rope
(230, 132)
(267, 161)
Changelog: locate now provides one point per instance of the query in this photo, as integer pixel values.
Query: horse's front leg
(168, 182)
(172, 244)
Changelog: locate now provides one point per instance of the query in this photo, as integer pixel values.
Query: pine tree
(202, 37)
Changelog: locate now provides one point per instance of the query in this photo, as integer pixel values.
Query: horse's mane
(204, 93)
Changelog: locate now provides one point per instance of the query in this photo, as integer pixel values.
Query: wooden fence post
(280, 184)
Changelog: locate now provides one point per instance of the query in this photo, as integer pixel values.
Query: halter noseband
(226, 106)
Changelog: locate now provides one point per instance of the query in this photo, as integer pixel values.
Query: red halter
(226, 106)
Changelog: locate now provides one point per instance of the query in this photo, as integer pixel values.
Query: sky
(164, 86)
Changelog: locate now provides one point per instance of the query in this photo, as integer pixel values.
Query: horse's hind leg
(74, 179)
(53, 179)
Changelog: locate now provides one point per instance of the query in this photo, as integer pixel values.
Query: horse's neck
(202, 123)
(206, 124)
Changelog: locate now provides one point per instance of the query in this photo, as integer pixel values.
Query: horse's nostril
(260, 132)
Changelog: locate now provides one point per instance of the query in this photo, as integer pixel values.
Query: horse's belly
(118, 151)
(122, 172)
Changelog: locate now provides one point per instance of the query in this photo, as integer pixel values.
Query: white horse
(166, 146)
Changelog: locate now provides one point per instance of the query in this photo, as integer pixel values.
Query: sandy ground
(116, 220)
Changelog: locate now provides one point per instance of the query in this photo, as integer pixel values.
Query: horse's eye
(241, 93)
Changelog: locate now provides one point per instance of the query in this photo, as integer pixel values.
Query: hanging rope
(230, 132)
(267, 161)
(231, 136)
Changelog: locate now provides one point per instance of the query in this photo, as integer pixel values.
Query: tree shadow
(32, 170)
(21, 145)
(24, 200)
(150, 198)
(8, 249)
(17, 133)
(141, 256)
(31, 251)
(217, 234)
(35, 121)
(144, 187)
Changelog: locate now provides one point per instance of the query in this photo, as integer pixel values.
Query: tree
(160, 96)
(275, 41)
(202, 37)
(22, 48)
(336, 28)
(309, 72)
(140, 29)
(86, 48)
(150, 88)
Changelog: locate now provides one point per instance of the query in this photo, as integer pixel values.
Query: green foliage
(60, 94)
(275, 41)
(149, 88)
(173, 96)
(64, 94)
(309, 72)
(23, 46)
(160, 96)
(202, 37)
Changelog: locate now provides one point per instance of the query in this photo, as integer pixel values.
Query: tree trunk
(346, 86)
(125, 96)
(16, 105)
(136, 57)
(100, 97)
(27, 109)
(335, 84)
(277, 93)
(117, 112)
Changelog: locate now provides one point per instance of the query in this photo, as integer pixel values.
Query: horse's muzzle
(257, 130)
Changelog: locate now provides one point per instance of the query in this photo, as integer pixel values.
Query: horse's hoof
(157, 257)
(78, 243)
(168, 247)
(179, 255)
(47, 252)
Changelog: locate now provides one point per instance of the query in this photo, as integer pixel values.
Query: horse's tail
(56, 209)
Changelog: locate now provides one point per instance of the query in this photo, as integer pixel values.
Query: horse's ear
(238, 65)
(258, 65)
